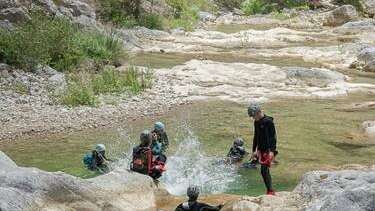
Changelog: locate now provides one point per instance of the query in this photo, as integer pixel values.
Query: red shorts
(265, 158)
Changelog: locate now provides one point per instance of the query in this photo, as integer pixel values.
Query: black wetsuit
(163, 139)
(265, 141)
(99, 162)
(196, 206)
(236, 153)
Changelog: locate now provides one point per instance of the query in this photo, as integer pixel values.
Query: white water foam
(190, 166)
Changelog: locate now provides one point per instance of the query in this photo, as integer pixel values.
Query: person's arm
(149, 161)
(179, 208)
(230, 152)
(94, 159)
(206, 207)
(255, 139)
(271, 135)
(165, 140)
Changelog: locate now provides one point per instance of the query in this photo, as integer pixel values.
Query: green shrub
(41, 40)
(185, 14)
(79, 95)
(151, 21)
(56, 42)
(230, 4)
(84, 87)
(103, 49)
(251, 7)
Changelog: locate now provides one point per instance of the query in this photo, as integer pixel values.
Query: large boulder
(340, 16)
(79, 8)
(345, 190)
(368, 7)
(34, 189)
(14, 15)
(366, 59)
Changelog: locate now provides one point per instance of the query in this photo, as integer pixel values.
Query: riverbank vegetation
(84, 87)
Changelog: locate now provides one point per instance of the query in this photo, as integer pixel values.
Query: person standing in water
(160, 135)
(264, 143)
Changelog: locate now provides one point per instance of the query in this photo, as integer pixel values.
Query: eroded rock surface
(33, 189)
(241, 82)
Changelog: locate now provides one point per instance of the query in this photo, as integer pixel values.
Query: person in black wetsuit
(193, 205)
(160, 135)
(237, 152)
(264, 143)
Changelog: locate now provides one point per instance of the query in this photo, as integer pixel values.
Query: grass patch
(251, 7)
(20, 88)
(84, 88)
(56, 42)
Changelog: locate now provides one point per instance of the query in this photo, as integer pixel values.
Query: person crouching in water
(237, 152)
(97, 161)
(264, 143)
(143, 161)
(160, 135)
(193, 205)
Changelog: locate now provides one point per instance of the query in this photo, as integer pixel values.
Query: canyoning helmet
(159, 126)
(253, 109)
(100, 148)
(145, 137)
(238, 142)
(193, 192)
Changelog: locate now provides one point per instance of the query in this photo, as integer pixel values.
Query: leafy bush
(151, 21)
(127, 13)
(251, 7)
(41, 40)
(185, 14)
(56, 42)
(230, 4)
(79, 95)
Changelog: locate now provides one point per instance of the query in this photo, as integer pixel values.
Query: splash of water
(190, 166)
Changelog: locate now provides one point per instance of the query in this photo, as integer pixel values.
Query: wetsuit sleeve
(206, 207)
(271, 136)
(179, 208)
(230, 152)
(166, 140)
(255, 140)
(94, 160)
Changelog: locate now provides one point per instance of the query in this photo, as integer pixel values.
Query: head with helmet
(159, 126)
(100, 148)
(254, 111)
(238, 142)
(145, 138)
(192, 192)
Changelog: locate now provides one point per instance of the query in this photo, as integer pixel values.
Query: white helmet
(100, 148)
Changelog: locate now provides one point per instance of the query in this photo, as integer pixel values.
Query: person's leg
(265, 171)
